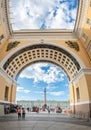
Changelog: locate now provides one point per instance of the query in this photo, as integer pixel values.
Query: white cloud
(60, 93)
(37, 73)
(32, 14)
(22, 97)
(41, 92)
(21, 89)
(50, 87)
(63, 17)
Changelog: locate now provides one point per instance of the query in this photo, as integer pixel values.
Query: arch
(42, 52)
(43, 42)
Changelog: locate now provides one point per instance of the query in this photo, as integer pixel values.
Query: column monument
(45, 105)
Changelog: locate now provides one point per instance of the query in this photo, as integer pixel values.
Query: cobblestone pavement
(43, 121)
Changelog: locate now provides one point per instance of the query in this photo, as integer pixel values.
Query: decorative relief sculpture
(73, 45)
(12, 45)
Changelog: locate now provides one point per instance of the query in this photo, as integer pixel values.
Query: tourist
(23, 113)
(19, 113)
(37, 109)
(48, 109)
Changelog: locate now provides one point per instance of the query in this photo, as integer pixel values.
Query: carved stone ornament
(12, 45)
(73, 45)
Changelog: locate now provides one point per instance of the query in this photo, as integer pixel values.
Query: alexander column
(45, 105)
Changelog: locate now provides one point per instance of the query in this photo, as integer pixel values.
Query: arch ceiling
(41, 53)
(42, 15)
(6, 11)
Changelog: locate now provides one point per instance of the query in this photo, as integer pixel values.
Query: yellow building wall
(83, 104)
(3, 85)
(88, 79)
(72, 97)
(83, 90)
(87, 31)
(13, 99)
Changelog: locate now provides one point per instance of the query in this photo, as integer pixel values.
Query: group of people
(21, 113)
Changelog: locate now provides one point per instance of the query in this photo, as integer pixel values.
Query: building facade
(39, 103)
(70, 50)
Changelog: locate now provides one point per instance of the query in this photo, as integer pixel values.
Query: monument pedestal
(44, 107)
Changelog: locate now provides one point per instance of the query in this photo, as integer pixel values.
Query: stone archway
(41, 52)
(13, 64)
(78, 71)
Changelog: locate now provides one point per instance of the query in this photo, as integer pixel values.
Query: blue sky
(43, 14)
(32, 81)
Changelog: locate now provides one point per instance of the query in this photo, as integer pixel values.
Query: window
(6, 93)
(89, 22)
(84, 37)
(78, 94)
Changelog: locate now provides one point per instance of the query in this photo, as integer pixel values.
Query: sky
(43, 14)
(35, 78)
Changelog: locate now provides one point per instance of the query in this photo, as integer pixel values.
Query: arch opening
(32, 81)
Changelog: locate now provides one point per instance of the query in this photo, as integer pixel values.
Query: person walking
(23, 113)
(48, 110)
(19, 113)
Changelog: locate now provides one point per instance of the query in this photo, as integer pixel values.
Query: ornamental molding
(4, 18)
(2, 102)
(42, 42)
(81, 17)
(80, 103)
(65, 35)
(6, 77)
(82, 72)
(41, 52)
(39, 42)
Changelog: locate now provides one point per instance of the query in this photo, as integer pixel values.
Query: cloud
(39, 92)
(22, 97)
(60, 93)
(43, 72)
(21, 89)
(37, 14)
(50, 87)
